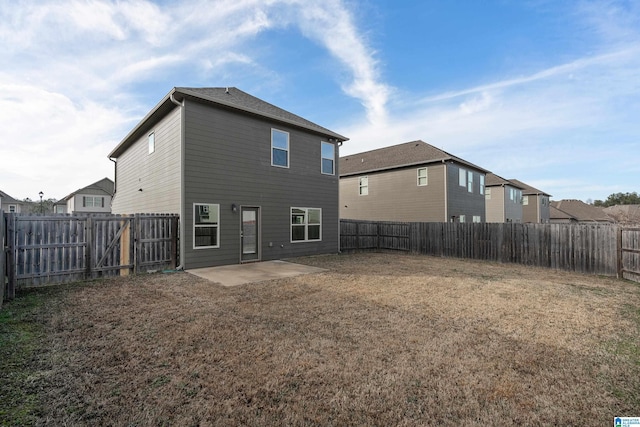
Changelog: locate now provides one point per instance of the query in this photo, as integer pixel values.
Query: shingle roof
(230, 97)
(104, 185)
(625, 214)
(8, 198)
(407, 154)
(581, 211)
(493, 180)
(558, 214)
(527, 189)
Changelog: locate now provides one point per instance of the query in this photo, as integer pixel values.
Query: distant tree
(36, 207)
(619, 199)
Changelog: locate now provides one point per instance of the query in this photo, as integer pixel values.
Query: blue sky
(547, 92)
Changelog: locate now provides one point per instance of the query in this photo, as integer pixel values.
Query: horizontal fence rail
(48, 249)
(590, 248)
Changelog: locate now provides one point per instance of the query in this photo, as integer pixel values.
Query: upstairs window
(306, 224)
(487, 194)
(279, 148)
(470, 182)
(422, 176)
(152, 142)
(525, 200)
(13, 208)
(328, 158)
(481, 184)
(364, 186)
(462, 177)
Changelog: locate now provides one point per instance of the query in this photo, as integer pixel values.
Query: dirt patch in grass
(378, 339)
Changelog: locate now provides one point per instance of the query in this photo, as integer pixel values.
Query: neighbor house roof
(529, 190)
(408, 154)
(626, 214)
(581, 211)
(230, 98)
(104, 186)
(493, 180)
(558, 214)
(7, 198)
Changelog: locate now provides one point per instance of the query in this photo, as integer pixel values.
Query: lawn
(377, 339)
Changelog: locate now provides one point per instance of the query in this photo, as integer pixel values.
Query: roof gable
(493, 180)
(230, 98)
(527, 189)
(7, 198)
(396, 156)
(103, 186)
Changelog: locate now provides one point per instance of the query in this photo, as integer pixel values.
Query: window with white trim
(477, 218)
(463, 218)
(279, 148)
(363, 186)
(206, 225)
(328, 158)
(92, 202)
(462, 177)
(487, 194)
(152, 142)
(525, 200)
(13, 208)
(481, 184)
(306, 224)
(470, 182)
(422, 177)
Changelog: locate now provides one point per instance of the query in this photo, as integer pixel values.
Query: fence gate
(67, 248)
(629, 253)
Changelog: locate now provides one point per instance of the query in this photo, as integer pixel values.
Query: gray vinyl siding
(512, 208)
(394, 195)
(227, 160)
(460, 200)
(158, 174)
(77, 201)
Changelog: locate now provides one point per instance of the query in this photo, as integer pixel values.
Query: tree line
(619, 199)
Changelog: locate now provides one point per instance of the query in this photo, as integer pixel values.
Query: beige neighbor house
(535, 203)
(503, 199)
(414, 181)
(94, 198)
(9, 204)
(577, 211)
(250, 181)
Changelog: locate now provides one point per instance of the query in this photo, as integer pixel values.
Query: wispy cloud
(69, 67)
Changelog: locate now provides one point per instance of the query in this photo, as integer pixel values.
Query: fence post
(174, 242)
(3, 257)
(13, 256)
(620, 267)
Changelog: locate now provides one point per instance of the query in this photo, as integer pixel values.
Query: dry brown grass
(378, 339)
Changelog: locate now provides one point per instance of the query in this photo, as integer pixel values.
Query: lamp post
(41, 207)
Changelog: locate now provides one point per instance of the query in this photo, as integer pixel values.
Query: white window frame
(13, 208)
(363, 186)
(477, 218)
(424, 177)
(90, 201)
(470, 182)
(481, 184)
(286, 150)
(332, 158)
(305, 224)
(151, 138)
(525, 200)
(462, 177)
(215, 225)
(462, 218)
(487, 193)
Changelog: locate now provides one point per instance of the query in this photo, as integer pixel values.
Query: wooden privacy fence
(66, 248)
(3, 258)
(594, 248)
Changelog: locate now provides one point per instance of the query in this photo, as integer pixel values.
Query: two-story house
(503, 199)
(94, 198)
(535, 203)
(249, 180)
(414, 181)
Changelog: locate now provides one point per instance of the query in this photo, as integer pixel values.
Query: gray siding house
(535, 203)
(249, 180)
(9, 204)
(503, 199)
(414, 181)
(94, 198)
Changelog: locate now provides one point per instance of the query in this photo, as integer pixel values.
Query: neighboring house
(578, 212)
(503, 199)
(535, 203)
(249, 180)
(624, 214)
(413, 181)
(9, 204)
(94, 198)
